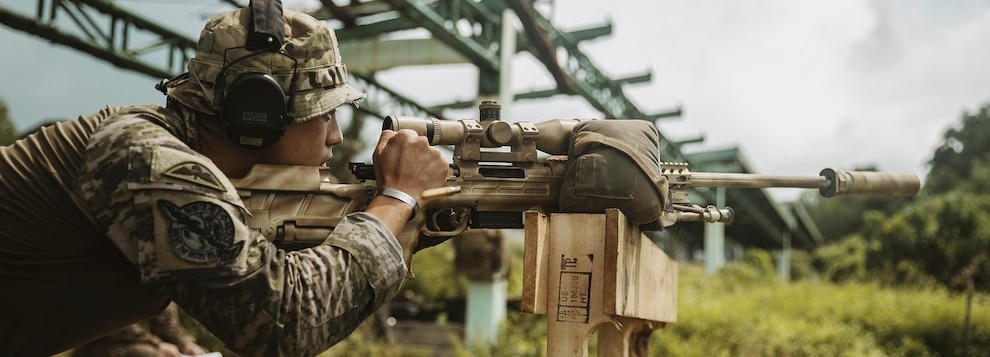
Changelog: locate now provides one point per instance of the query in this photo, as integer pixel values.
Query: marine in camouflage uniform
(110, 217)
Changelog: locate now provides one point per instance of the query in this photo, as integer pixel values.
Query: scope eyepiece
(423, 127)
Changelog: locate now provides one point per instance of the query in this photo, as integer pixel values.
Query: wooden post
(596, 271)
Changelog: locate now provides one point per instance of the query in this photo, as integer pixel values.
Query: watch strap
(402, 196)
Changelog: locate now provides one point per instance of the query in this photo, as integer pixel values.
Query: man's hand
(406, 162)
(191, 349)
(166, 349)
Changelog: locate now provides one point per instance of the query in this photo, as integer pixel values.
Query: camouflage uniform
(111, 216)
(140, 339)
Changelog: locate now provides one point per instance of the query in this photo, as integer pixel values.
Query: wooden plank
(593, 271)
(576, 278)
(534, 287)
(644, 282)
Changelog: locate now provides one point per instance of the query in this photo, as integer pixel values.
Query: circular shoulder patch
(201, 231)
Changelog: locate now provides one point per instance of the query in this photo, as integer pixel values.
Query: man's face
(307, 143)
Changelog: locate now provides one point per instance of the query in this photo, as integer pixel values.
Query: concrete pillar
(482, 259)
(715, 238)
(784, 262)
(486, 302)
(486, 294)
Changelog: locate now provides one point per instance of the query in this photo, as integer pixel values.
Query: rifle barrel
(830, 182)
(736, 180)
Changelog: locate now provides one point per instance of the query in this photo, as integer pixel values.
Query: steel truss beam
(472, 29)
(109, 33)
(106, 32)
(467, 26)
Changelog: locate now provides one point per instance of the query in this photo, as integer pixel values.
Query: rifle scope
(552, 136)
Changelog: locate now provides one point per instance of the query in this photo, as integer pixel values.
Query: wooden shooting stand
(596, 271)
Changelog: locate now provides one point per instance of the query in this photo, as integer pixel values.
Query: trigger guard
(432, 221)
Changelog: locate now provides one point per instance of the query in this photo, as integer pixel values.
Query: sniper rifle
(491, 188)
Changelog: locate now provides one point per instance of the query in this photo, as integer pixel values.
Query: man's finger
(383, 140)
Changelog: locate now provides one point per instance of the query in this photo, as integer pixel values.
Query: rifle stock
(297, 205)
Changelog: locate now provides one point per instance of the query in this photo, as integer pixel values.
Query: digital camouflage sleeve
(179, 221)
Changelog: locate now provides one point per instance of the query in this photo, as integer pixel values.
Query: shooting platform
(596, 271)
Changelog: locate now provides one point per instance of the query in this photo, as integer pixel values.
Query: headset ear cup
(254, 110)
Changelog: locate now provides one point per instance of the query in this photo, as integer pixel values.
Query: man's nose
(334, 136)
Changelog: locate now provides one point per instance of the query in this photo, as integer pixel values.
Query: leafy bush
(755, 267)
(812, 319)
(844, 260)
(802, 265)
(934, 239)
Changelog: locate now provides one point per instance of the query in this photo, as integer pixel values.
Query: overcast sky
(797, 85)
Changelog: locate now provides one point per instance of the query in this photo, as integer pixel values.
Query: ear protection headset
(254, 111)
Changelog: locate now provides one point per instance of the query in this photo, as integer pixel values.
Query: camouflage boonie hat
(322, 83)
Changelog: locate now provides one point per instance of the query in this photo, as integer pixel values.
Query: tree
(951, 220)
(941, 233)
(939, 236)
(8, 134)
(962, 162)
(944, 236)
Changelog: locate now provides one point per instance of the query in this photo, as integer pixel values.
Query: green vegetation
(726, 315)
(8, 134)
(941, 236)
(745, 311)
